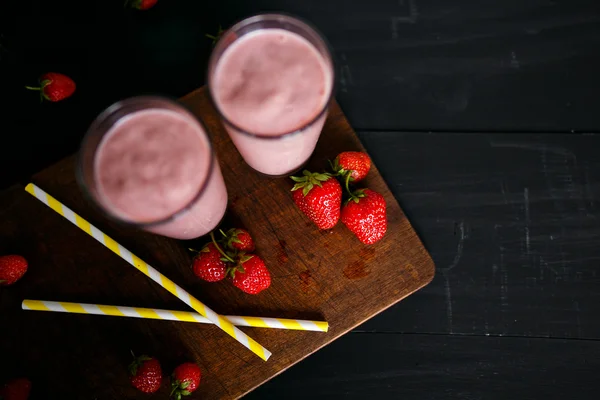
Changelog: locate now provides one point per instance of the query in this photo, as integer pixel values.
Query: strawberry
(185, 380)
(208, 264)
(141, 4)
(12, 268)
(239, 239)
(354, 163)
(145, 374)
(250, 275)
(17, 389)
(365, 215)
(320, 198)
(54, 87)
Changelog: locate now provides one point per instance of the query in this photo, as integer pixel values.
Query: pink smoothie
(152, 164)
(270, 82)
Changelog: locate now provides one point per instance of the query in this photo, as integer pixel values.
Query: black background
(481, 117)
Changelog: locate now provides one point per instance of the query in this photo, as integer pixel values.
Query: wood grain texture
(316, 275)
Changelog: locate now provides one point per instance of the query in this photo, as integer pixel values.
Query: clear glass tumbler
(148, 162)
(271, 79)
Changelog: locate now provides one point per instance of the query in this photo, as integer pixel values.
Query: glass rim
(96, 203)
(272, 17)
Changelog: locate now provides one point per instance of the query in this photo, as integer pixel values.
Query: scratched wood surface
(466, 65)
(512, 223)
(429, 65)
(320, 275)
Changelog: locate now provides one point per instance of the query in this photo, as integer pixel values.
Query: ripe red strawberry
(17, 389)
(208, 264)
(251, 275)
(320, 198)
(12, 268)
(239, 239)
(355, 163)
(54, 87)
(142, 4)
(185, 380)
(145, 374)
(365, 215)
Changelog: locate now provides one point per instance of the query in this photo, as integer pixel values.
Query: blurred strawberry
(12, 268)
(141, 4)
(145, 374)
(185, 380)
(54, 87)
(17, 389)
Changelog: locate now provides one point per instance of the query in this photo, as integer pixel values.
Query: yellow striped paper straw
(169, 315)
(149, 271)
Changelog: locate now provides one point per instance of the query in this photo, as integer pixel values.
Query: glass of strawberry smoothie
(148, 162)
(271, 79)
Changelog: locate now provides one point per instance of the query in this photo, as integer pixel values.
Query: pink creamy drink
(271, 78)
(154, 167)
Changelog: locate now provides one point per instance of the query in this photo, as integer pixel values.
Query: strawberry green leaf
(245, 257)
(297, 179)
(185, 392)
(307, 189)
(184, 385)
(322, 177)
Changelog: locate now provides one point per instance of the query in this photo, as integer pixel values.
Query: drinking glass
(193, 218)
(284, 152)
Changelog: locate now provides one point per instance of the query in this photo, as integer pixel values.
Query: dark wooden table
(480, 116)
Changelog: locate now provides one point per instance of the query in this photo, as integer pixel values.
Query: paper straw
(149, 271)
(169, 315)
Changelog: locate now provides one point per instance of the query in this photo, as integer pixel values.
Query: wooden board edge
(427, 280)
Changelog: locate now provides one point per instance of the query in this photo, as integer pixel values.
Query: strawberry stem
(33, 88)
(212, 237)
(347, 182)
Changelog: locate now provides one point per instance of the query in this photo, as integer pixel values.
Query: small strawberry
(145, 374)
(239, 239)
(355, 163)
(12, 268)
(141, 4)
(209, 265)
(185, 380)
(320, 198)
(17, 389)
(365, 215)
(250, 275)
(54, 87)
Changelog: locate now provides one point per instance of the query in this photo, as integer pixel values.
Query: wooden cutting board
(316, 275)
